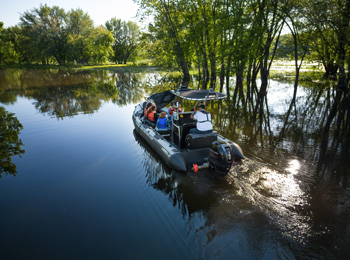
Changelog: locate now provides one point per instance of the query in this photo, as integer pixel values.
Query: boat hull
(173, 156)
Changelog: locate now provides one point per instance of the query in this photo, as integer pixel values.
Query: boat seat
(198, 141)
(163, 132)
(146, 121)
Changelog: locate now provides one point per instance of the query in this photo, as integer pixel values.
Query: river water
(77, 182)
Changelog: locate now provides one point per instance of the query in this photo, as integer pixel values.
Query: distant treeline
(218, 39)
(50, 35)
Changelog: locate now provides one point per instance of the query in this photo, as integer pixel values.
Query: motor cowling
(221, 155)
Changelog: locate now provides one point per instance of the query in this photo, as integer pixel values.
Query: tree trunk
(330, 70)
(222, 75)
(213, 68)
(199, 66)
(249, 76)
(179, 52)
(342, 84)
(205, 70)
(228, 70)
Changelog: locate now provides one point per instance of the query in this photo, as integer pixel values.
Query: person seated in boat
(203, 118)
(163, 122)
(145, 110)
(173, 108)
(152, 115)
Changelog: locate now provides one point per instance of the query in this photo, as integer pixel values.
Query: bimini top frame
(198, 95)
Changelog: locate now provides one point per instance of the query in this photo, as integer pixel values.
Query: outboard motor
(221, 155)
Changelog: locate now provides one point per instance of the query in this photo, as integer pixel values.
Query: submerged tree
(331, 22)
(168, 20)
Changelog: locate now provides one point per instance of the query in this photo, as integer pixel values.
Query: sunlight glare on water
(278, 194)
(294, 166)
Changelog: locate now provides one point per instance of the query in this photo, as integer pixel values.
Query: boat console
(183, 139)
(182, 123)
(199, 141)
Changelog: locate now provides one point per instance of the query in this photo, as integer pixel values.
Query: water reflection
(290, 161)
(62, 93)
(301, 130)
(288, 199)
(179, 187)
(10, 143)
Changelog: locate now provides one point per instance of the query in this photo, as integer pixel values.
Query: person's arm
(193, 115)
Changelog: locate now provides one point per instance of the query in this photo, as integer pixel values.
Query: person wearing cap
(203, 118)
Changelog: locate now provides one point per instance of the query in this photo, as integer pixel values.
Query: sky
(100, 11)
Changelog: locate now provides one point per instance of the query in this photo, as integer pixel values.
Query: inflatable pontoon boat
(180, 149)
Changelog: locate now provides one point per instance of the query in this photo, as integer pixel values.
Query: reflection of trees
(61, 93)
(307, 129)
(317, 134)
(10, 144)
(129, 86)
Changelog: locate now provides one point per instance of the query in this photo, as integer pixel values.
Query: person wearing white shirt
(203, 118)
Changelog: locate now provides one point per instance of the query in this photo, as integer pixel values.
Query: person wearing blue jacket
(162, 122)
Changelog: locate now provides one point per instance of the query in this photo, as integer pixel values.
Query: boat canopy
(198, 95)
(164, 98)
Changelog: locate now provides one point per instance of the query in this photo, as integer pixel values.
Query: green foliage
(8, 54)
(10, 144)
(49, 35)
(79, 36)
(126, 40)
(327, 24)
(211, 37)
(44, 30)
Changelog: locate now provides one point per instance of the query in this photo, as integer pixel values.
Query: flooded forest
(66, 131)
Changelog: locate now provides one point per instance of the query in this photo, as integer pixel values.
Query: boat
(180, 149)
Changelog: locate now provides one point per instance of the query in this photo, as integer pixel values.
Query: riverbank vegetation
(53, 36)
(226, 45)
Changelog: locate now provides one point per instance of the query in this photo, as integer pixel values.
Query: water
(88, 187)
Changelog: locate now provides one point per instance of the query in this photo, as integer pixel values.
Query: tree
(22, 49)
(331, 20)
(79, 30)
(102, 45)
(10, 144)
(270, 24)
(126, 39)
(166, 17)
(44, 28)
